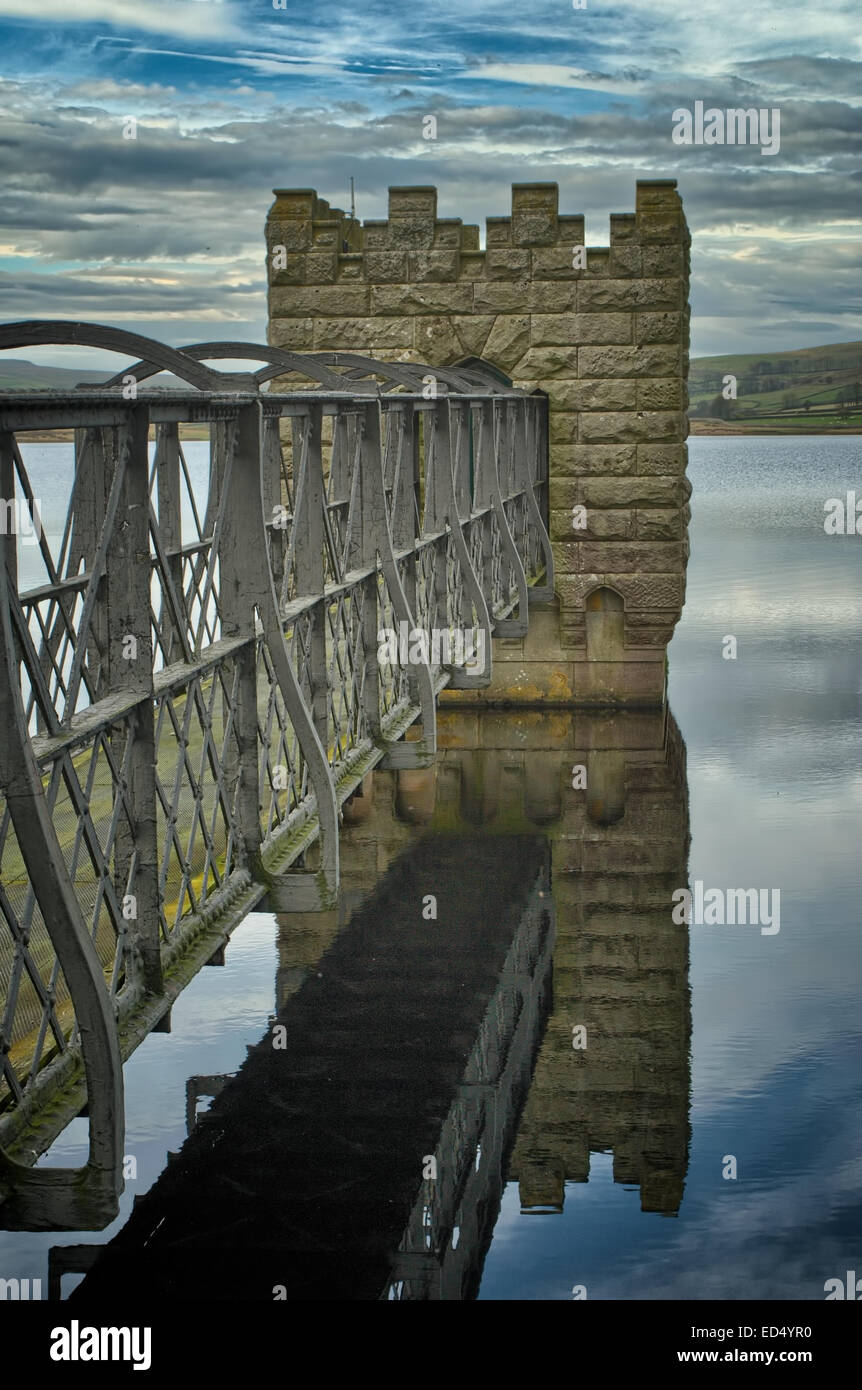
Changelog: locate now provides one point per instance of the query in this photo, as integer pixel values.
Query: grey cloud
(806, 75)
(75, 191)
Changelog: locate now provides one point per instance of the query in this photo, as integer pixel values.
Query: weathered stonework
(608, 344)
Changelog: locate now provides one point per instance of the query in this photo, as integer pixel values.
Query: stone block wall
(607, 341)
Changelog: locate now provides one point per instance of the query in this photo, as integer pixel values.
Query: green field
(809, 389)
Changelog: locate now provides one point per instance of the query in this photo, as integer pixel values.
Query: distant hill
(816, 389)
(17, 374)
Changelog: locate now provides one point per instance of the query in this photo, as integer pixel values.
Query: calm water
(774, 744)
(775, 801)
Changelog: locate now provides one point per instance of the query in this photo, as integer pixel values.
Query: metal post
(128, 667)
(247, 578)
(309, 536)
(243, 527)
(170, 528)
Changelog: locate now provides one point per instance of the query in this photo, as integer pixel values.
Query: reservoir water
(706, 1141)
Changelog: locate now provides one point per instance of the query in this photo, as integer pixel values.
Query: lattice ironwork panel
(194, 753)
(284, 783)
(37, 1012)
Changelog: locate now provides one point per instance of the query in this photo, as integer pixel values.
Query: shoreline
(709, 427)
(701, 428)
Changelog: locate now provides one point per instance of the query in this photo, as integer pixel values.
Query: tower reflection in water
(426, 1059)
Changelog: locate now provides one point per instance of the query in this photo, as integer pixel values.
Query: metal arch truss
(200, 665)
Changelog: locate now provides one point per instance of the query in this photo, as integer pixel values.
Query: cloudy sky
(164, 234)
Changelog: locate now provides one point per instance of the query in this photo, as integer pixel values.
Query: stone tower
(603, 331)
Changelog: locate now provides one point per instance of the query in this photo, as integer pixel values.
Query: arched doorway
(605, 625)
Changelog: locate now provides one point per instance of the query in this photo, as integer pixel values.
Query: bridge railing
(205, 649)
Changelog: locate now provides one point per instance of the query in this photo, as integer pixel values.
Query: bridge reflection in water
(427, 1061)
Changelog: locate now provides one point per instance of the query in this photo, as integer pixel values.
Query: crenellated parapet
(603, 331)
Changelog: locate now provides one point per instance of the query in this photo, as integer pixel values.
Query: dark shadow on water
(419, 1058)
(361, 1144)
